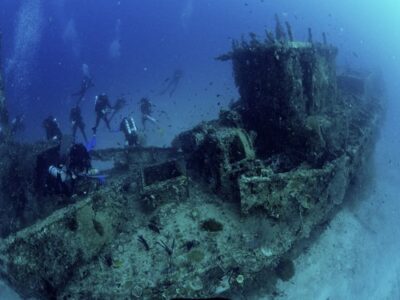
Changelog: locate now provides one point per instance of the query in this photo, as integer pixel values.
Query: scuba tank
(129, 126)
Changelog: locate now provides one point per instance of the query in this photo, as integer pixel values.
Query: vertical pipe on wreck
(270, 38)
(310, 38)
(324, 39)
(279, 31)
(289, 31)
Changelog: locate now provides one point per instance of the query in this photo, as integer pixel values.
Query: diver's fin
(91, 144)
(100, 178)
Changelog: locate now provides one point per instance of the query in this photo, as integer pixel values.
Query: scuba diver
(146, 108)
(17, 124)
(102, 108)
(86, 84)
(128, 127)
(171, 84)
(59, 169)
(53, 131)
(75, 117)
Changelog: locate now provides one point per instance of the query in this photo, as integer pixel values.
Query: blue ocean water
(132, 48)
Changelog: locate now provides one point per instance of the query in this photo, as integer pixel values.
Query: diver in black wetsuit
(58, 173)
(86, 84)
(102, 107)
(146, 108)
(172, 83)
(75, 117)
(53, 131)
(128, 127)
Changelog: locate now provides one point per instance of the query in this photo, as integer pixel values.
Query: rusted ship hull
(219, 213)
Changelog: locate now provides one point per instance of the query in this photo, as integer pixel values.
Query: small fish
(169, 250)
(142, 240)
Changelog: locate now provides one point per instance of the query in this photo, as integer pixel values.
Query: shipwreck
(222, 211)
